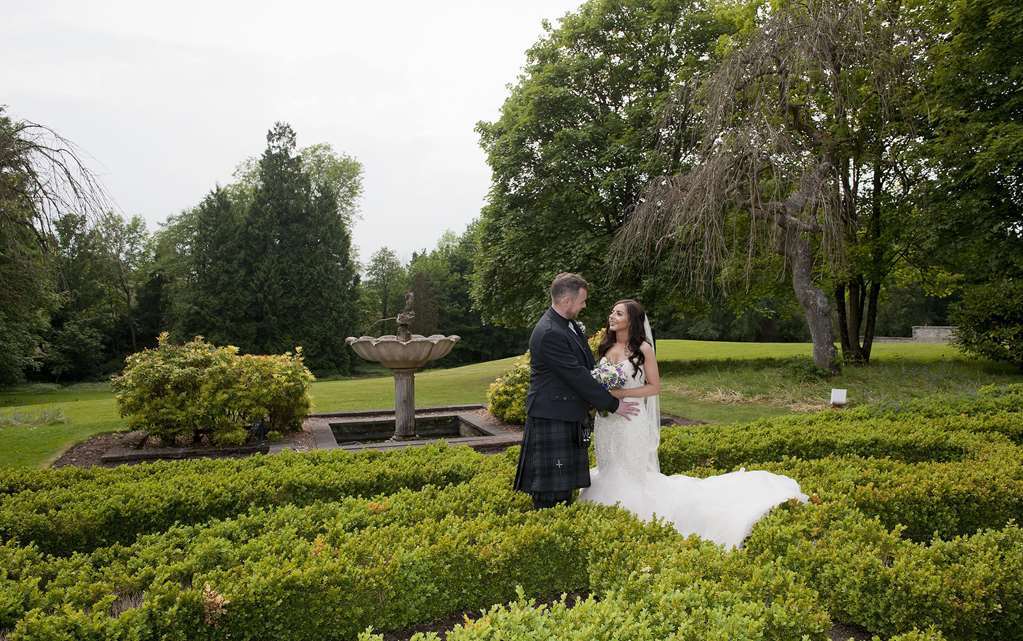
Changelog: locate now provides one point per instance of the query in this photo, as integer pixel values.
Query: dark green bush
(989, 321)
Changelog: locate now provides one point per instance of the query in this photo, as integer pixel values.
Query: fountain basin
(466, 425)
(394, 353)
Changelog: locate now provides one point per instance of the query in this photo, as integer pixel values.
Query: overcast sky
(167, 98)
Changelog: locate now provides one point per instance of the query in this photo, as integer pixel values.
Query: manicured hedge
(925, 499)
(967, 587)
(115, 508)
(389, 576)
(990, 400)
(82, 580)
(943, 475)
(911, 532)
(908, 439)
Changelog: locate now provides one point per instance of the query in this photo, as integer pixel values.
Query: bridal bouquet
(610, 376)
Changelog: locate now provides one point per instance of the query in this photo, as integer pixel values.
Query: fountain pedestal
(404, 404)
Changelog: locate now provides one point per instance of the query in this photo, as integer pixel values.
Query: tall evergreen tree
(299, 278)
(209, 300)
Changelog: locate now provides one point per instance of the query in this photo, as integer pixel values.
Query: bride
(721, 508)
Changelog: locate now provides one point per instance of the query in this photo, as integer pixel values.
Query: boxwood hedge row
(115, 508)
(283, 585)
(911, 528)
(968, 587)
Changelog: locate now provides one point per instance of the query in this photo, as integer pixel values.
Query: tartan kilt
(553, 458)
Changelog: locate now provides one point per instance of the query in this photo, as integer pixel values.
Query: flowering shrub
(506, 397)
(187, 391)
(594, 343)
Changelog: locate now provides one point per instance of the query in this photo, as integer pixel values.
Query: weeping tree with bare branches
(42, 177)
(805, 146)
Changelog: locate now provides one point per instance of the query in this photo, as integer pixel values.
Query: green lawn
(672, 350)
(780, 375)
(710, 381)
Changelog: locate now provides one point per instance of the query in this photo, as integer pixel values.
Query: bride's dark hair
(637, 334)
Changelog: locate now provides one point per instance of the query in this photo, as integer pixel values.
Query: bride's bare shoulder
(647, 349)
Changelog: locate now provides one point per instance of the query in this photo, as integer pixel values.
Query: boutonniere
(582, 328)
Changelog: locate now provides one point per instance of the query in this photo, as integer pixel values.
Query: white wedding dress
(721, 508)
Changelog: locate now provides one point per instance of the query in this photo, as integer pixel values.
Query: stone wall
(933, 333)
(922, 334)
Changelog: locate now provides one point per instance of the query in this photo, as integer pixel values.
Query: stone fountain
(403, 354)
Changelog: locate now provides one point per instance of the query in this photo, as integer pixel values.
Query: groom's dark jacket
(560, 384)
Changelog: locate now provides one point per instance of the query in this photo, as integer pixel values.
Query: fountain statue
(403, 354)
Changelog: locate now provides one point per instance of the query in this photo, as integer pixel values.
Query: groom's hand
(628, 409)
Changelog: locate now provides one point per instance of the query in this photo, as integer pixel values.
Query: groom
(553, 461)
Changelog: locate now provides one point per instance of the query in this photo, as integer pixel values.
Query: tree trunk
(868, 333)
(811, 298)
(843, 327)
(134, 340)
(854, 320)
(877, 253)
(850, 319)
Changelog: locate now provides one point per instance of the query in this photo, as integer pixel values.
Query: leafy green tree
(975, 154)
(975, 144)
(445, 277)
(576, 140)
(807, 141)
(337, 171)
(77, 346)
(989, 321)
(425, 305)
(26, 297)
(324, 166)
(130, 251)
